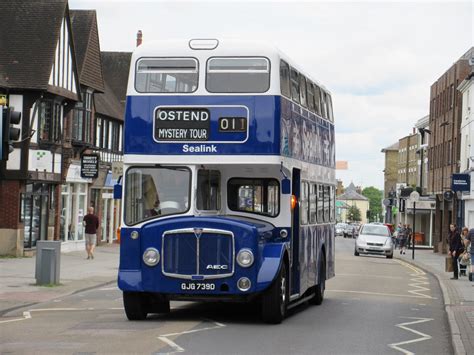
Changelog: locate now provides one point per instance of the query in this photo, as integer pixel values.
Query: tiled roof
(115, 66)
(86, 43)
(351, 194)
(29, 32)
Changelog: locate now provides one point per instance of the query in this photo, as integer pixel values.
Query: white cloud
(378, 58)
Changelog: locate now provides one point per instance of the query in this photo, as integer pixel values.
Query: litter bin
(48, 261)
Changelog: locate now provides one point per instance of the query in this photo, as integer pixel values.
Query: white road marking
(115, 288)
(419, 280)
(378, 293)
(176, 347)
(404, 326)
(27, 314)
(372, 276)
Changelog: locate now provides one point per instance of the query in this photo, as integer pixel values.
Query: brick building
(407, 172)
(444, 145)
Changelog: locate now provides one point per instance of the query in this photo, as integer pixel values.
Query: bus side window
(329, 103)
(310, 97)
(327, 206)
(208, 190)
(317, 99)
(303, 91)
(295, 86)
(333, 203)
(323, 104)
(320, 203)
(313, 194)
(304, 203)
(285, 79)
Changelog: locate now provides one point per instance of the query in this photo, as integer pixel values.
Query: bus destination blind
(182, 124)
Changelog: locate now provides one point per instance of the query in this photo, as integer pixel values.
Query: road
(373, 306)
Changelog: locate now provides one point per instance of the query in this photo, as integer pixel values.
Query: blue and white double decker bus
(229, 179)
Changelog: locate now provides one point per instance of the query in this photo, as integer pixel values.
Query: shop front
(421, 221)
(74, 205)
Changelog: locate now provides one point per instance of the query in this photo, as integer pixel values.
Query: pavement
(458, 297)
(18, 284)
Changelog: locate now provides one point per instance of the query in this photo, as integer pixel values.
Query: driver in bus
(155, 211)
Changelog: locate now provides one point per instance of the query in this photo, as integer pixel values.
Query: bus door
(295, 233)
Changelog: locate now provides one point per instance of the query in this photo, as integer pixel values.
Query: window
(295, 85)
(312, 203)
(49, 121)
(329, 106)
(323, 104)
(304, 203)
(166, 75)
(285, 79)
(208, 190)
(260, 196)
(310, 90)
(238, 75)
(82, 125)
(303, 91)
(320, 202)
(327, 206)
(152, 192)
(332, 203)
(317, 99)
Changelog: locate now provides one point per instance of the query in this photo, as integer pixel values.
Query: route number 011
(232, 124)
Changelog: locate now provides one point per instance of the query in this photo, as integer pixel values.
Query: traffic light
(9, 133)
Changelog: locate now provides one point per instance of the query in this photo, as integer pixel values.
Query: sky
(377, 58)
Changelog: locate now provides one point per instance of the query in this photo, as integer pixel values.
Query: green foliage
(375, 197)
(353, 214)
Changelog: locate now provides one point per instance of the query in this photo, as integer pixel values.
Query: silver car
(374, 239)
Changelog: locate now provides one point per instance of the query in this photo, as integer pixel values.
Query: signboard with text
(461, 182)
(89, 166)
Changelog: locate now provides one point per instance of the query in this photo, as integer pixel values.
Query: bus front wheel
(275, 299)
(135, 305)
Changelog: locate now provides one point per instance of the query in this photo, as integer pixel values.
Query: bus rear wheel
(319, 289)
(275, 299)
(135, 304)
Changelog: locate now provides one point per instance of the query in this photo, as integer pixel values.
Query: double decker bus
(229, 179)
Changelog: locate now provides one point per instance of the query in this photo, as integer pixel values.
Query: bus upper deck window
(166, 75)
(238, 75)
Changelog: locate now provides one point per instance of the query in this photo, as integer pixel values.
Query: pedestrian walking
(395, 234)
(469, 244)
(91, 222)
(455, 248)
(465, 242)
(402, 239)
(409, 233)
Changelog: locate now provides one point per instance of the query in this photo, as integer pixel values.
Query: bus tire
(319, 289)
(135, 305)
(275, 299)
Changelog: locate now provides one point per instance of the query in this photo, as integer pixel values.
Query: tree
(353, 213)
(375, 197)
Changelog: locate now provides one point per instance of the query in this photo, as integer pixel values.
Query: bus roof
(225, 47)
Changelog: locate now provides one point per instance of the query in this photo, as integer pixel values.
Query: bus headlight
(245, 258)
(244, 284)
(151, 257)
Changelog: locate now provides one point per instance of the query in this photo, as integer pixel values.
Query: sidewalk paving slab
(18, 284)
(458, 297)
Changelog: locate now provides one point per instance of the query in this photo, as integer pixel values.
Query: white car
(374, 239)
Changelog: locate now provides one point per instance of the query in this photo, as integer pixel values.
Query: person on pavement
(402, 239)
(91, 222)
(455, 248)
(462, 266)
(469, 243)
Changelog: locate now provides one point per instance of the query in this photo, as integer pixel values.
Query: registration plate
(198, 286)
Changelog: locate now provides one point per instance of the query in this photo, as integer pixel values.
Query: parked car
(340, 227)
(351, 230)
(374, 239)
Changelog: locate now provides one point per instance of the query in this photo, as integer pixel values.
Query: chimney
(139, 37)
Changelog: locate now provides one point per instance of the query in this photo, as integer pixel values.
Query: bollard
(48, 262)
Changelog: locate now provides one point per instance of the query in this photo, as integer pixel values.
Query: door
(295, 233)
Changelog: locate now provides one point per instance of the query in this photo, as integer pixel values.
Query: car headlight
(388, 242)
(245, 258)
(151, 257)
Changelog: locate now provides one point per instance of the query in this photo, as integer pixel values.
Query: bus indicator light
(294, 201)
